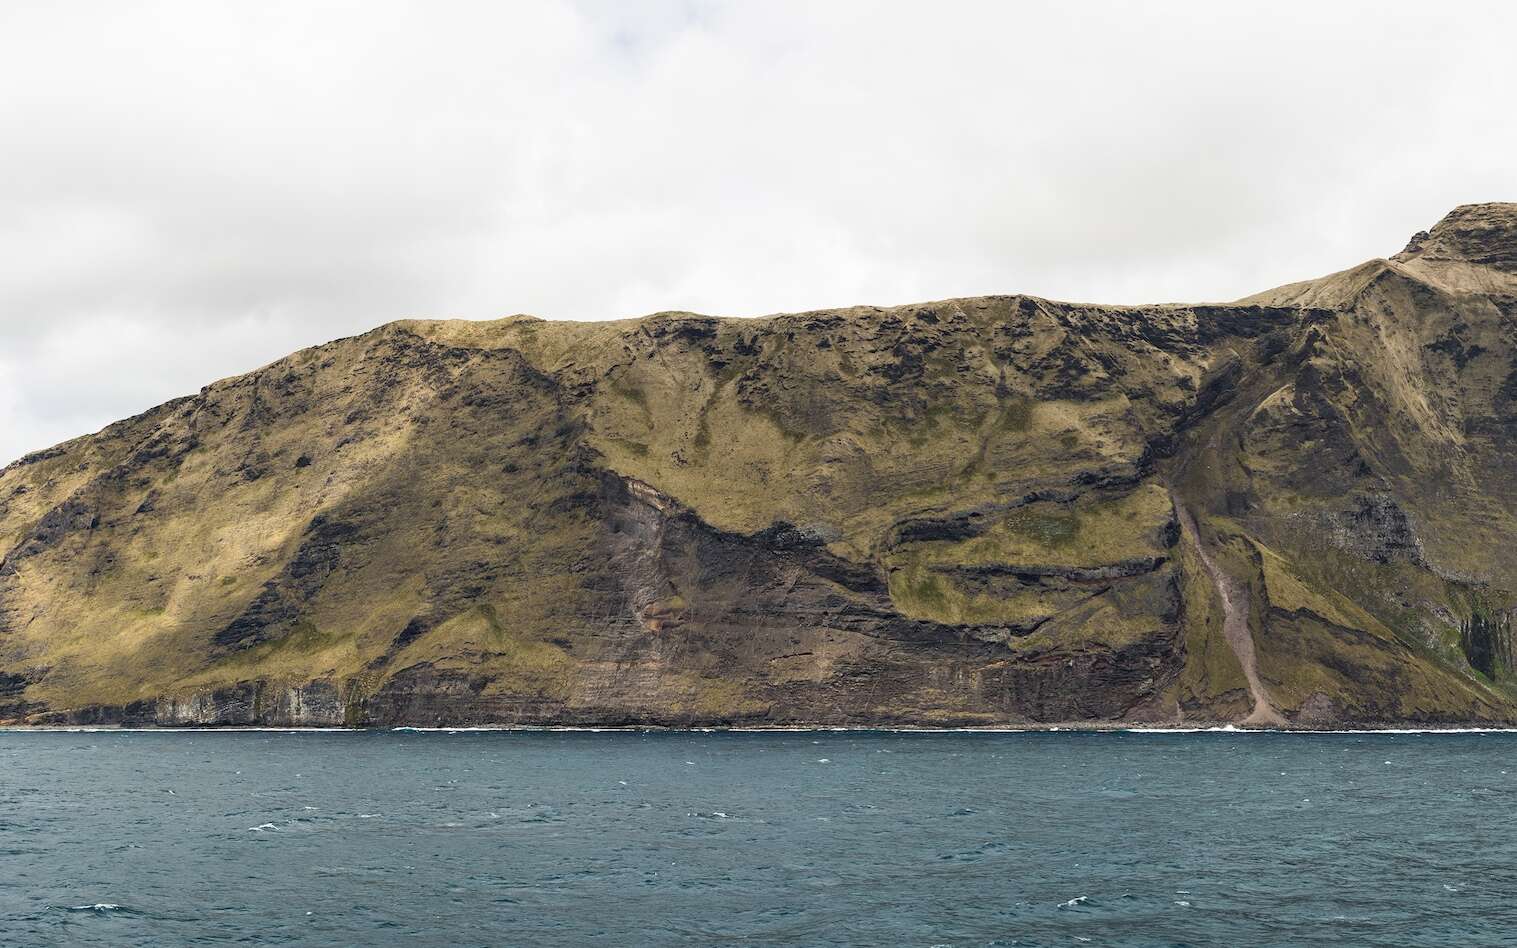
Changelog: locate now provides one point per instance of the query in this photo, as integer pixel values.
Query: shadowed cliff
(1300, 507)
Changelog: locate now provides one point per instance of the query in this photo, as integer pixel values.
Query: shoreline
(803, 729)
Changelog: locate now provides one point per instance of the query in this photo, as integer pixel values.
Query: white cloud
(194, 189)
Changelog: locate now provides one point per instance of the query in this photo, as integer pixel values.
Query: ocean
(764, 838)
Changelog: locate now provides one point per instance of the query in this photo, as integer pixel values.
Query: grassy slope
(430, 497)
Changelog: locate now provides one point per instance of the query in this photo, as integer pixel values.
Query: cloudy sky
(190, 190)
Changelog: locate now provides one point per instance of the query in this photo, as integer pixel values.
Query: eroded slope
(980, 511)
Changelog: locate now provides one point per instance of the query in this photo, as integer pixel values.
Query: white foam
(1094, 727)
(1077, 900)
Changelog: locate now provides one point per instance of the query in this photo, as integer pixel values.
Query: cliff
(1300, 508)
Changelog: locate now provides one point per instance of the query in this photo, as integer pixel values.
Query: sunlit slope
(975, 511)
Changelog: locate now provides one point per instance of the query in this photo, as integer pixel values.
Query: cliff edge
(1298, 509)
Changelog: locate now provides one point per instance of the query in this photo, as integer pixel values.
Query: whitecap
(1077, 900)
(97, 907)
(261, 827)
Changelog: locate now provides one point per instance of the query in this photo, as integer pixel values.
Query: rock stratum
(1298, 509)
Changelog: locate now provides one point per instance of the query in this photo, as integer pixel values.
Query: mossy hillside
(955, 511)
(1212, 679)
(1406, 382)
(974, 580)
(1285, 591)
(1090, 531)
(849, 425)
(1422, 609)
(1364, 678)
(1123, 615)
(1315, 643)
(479, 642)
(183, 571)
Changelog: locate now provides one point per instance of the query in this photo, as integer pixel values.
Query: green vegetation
(962, 511)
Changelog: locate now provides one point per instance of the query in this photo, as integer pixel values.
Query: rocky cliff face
(1298, 508)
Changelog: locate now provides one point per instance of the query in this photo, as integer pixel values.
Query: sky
(191, 190)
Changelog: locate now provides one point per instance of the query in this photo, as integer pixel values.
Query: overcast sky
(190, 190)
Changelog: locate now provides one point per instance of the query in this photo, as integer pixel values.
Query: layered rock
(989, 511)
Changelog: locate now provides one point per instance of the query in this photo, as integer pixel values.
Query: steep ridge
(1001, 510)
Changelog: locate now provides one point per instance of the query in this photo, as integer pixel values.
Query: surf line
(1234, 622)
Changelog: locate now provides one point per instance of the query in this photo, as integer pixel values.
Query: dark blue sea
(849, 838)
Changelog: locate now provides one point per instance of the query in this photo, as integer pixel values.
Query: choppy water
(516, 838)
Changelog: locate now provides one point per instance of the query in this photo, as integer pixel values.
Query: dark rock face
(74, 515)
(966, 512)
(282, 601)
(1475, 233)
(315, 704)
(1486, 639)
(1374, 528)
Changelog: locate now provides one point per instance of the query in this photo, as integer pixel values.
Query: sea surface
(868, 838)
